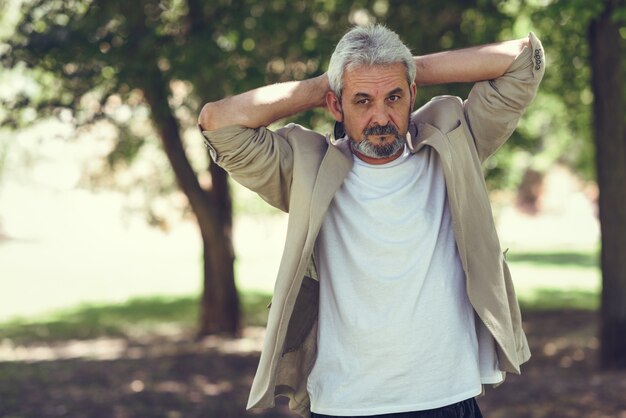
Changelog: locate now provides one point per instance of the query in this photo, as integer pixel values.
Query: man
(392, 298)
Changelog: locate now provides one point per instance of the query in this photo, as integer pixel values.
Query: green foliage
(98, 49)
(564, 27)
(85, 52)
(126, 149)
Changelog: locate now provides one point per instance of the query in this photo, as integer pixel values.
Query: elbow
(207, 120)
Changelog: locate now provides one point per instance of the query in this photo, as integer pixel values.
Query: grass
(100, 320)
(561, 280)
(136, 317)
(587, 259)
(556, 280)
(558, 299)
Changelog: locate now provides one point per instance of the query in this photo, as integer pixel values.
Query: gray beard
(371, 149)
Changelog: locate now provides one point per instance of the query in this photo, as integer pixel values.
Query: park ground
(92, 326)
(168, 374)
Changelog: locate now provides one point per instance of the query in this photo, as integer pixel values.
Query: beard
(372, 149)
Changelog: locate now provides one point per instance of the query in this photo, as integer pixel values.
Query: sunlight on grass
(543, 281)
(556, 280)
(540, 286)
(78, 291)
(556, 259)
(133, 319)
(543, 299)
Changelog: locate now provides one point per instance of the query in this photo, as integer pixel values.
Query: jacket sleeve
(494, 107)
(259, 159)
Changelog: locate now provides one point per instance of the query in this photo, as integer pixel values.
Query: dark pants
(466, 409)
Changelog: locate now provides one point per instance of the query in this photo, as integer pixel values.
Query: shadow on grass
(135, 317)
(559, 258)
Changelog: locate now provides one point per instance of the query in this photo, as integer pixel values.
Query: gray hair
(368, 45)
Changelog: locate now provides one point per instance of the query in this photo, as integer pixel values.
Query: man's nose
(379, 115)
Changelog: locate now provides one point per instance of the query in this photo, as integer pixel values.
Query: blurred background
(135, 275)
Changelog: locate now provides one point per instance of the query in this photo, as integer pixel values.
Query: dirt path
(171, 377)
(561, 380)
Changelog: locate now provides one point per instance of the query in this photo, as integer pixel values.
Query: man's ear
(413, 89)
(333, 103)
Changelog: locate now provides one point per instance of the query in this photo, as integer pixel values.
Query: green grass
(111, 320)
(544, 281)
(556, 280)
(558, 299)
(136, 317)
(588, 259)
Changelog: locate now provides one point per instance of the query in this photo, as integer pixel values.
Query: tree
(607, 52)
(100, 49)
(94, 50)
(588, 52)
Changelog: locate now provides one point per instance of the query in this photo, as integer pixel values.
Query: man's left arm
(507, 75)
(493, 108)
(468, 65)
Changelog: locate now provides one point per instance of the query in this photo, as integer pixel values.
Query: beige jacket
(299, 171)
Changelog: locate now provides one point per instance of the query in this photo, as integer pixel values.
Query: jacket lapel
(423, 134)
(334, 168)
(427, 134)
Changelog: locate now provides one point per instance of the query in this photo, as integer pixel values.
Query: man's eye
(393, 98)
(363, 101)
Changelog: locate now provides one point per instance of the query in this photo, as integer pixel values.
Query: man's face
(376, 102)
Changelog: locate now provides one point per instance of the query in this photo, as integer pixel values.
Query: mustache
(381, 130)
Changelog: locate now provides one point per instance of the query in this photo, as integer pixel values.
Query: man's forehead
(375, 77)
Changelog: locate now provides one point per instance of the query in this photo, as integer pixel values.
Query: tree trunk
(610, 139)
(220, 304)
(213, 210)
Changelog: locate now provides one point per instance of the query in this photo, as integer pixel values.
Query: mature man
(392, 298)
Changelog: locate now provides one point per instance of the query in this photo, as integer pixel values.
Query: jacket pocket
(304, 314)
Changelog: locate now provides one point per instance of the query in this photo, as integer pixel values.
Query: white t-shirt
(396, 329)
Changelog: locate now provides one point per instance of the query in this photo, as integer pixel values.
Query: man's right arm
(265, 105)
(235, 132)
